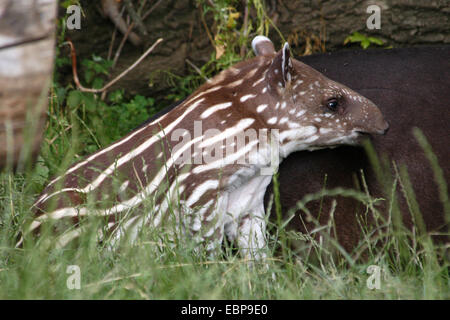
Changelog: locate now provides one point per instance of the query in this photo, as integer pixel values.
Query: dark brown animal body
(411, 88)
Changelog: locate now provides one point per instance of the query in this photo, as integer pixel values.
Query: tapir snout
(367, 118)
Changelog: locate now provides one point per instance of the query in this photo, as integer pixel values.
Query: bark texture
(305, 23)
(26, 63)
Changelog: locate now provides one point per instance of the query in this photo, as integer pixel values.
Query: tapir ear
(280, 70)
(286, 63)
(262, 46)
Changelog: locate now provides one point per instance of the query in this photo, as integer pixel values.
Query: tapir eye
(332, 104)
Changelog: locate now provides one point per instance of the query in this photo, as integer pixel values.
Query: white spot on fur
(251, 74)
(258, 82)
(272, 120)
(246, 97)
(215, 108)
(325, 130)
(283, 120)
(261, 108)
(300, 113)
(235, 83)
(299, 82)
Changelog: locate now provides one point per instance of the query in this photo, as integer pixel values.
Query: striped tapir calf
(214, 154)
(411, 87)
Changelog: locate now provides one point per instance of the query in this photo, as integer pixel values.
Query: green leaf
(88, 75)
(116, 96)
(355, 37)
(74, 98)
(97, 83)
(100, 68)
(41, 172)
(89, 102)
(97, 58)
(365, 43)
(376, 41)
(60, 95)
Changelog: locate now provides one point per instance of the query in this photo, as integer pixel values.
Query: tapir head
(310, 110)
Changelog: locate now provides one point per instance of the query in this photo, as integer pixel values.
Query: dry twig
(151, 10)
(135, 17)
(197, 69)
(111, 9)
(109, 84)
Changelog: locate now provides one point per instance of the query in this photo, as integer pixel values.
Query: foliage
(230, 35)
(232, 29)
(363, 40)
(83, 116)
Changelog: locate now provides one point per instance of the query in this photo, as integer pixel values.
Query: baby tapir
(206, 164)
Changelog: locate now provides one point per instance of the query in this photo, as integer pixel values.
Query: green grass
(412, 267)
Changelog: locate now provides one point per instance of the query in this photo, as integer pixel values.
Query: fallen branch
(135, 17)
(111, 10)
(109, 84)
(151, 10)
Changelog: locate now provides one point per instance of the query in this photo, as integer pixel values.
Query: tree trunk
(304, 23)
(27, 42)
(403, 22)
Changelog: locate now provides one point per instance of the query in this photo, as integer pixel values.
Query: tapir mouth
(362, 134)
(356, 137)
(381, 128)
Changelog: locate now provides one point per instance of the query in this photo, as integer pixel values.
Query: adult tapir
(411, 87)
